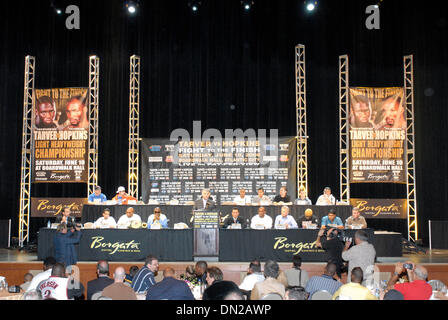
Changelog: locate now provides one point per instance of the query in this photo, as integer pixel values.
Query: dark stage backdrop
(229, 70)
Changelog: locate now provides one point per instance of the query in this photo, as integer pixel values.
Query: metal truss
(408, 63)
(302, 137)
(25, 176)
(344, 129)
(94, 72)
(134, 113)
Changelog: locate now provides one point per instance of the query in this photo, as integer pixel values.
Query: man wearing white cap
(122, 197)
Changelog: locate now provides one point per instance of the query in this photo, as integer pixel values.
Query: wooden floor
(14, 264)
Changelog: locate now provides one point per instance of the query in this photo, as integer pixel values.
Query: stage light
(194, 5)
(131, 6)
(58, 11)
(246, 4)
(310, 5)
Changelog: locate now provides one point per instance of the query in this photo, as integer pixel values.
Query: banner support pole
(344, 173)
(94, 71)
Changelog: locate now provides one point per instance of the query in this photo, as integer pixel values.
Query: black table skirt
(176, 214)
(177, 245)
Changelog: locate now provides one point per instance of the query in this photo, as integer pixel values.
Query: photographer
(417, 288)
(362, 254)
(330, 241)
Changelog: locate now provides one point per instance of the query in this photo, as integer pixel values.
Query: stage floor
(434, 256)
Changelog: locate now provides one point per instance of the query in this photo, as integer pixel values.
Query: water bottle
(119, 200)
(247, 224)
(48, 224)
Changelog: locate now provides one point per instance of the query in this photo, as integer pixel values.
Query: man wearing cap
(122, 197)
(126, 220)
(97, 197)
(307, 219)
(331, 220)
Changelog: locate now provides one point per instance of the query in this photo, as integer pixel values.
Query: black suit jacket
(97, 285)
(229, 221)
(70, 221)
(199, 205)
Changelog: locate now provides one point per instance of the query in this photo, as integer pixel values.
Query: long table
(177, 245)
(178, 213)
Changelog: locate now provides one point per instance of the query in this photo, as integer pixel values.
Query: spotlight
(310, 5)
(58, 11)
(194, 5)
(247, 4)
(131, 6)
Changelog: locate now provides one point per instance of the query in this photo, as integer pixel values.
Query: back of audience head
(102, 267)
(297, 261)
(169, 272)
(200, 268)
(58, 270)
(49, 262)
(361, 236)
(271, 269)
(133, 271)
(357, 275)
(223, 290)
(393, 295)
(28, 277)
(119, 274)
(255, 267)
(296, 293)
(330, 269)
(421, 273)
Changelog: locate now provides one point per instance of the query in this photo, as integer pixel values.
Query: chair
(271, 296)
(321, 295)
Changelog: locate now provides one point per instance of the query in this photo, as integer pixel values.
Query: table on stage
(177, 245)
(180, 213)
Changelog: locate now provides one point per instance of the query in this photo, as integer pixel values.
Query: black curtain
(229, 69)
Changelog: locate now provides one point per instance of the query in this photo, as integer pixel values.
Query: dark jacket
(97, 285)
(64, 247)
(199, 205)
(170, 289)
(229, 221)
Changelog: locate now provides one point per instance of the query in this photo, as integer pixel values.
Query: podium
(205, 235)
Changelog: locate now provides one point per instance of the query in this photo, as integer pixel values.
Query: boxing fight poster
(377, 135)
(60, 133)
(176, 172)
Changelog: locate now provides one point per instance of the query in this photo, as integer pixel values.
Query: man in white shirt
(49, 262)
(261, 220)
(242, 199)
(326, 199)
(284, 220)
(254, 275)
(106, 221)
(125, 220)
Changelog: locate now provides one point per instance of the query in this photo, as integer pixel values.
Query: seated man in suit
(235, 218)
(66, 218)
(205, 203)
(103, 280)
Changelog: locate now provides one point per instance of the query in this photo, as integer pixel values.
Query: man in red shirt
(417, 288)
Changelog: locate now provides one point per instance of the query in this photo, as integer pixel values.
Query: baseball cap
(121, 189)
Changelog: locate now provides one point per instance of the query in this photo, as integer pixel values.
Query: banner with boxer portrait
(377, 135)
(60, 132)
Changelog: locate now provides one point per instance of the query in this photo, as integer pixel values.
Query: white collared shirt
(266, 221)
(102, 223)
(124, 221)
(242, 201)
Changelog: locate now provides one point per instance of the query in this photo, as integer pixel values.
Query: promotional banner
(381, 208)
(52, 207)
(60, 132)
(223, 167)
(377, 135)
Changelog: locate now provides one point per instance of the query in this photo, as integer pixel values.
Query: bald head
(169, 272)
(330, 269)
(102, 267)
(420, 272)
(119, 274)
(58, 270)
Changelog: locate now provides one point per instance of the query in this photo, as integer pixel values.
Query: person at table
(234, 219)
(303, 200)
(332, 220)
(261, 198)
(261, 220)
(242, 199)
(356, 221)
(157, 220)
(307, 219)
(205, 202)
(64, 244)
(106, 221)
(283, 198)
(122, 197)
(97, 197)
(326, 199)
(66, 218)
(127, 219)
(284, 220)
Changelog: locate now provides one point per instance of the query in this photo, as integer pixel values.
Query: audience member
(296, 276)
(296, 293)
(391, 295)
(144, 278)
(129, 276)
(324, 282)
(200, 271)
(417, 288)
(27, 278)
(57, 285)
(213, 274)
(356, 220)
(354, 290)
(261, 220)
(270, 284)
(223, 290)
(118, 290)
(362, 254)
(103, 280)
(284, 220)
(48, 264)
(169, 288)
(333, 248)
(254, 275)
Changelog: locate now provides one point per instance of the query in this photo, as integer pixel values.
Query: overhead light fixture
(310, 5)
(247, 4)
(131, 6)
(194, 5)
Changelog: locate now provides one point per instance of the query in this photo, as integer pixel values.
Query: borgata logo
(281, 243)
(115, 246)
